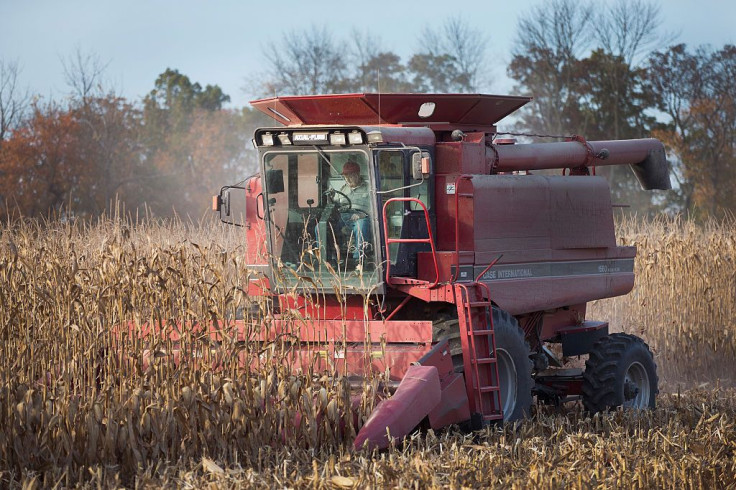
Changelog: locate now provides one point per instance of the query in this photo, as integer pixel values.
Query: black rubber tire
(446, 325)
(511, 349)
(620, 371)
(514, 364)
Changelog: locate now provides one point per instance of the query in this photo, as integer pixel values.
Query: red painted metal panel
(555, 320)
(394, 331)
(439, 356)
(465, 214)
(473, 155)
(416, 396)
(445, 262)
(350, 360)
(210, 345)
(563, 384)
(587, 326)
(326, 307)
(581, 213)
(519, 296)
(353, 109)
(453, 407)
(512, 213)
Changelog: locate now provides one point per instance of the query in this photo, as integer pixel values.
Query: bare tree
(83, 74)
(464, 46)
(561, 27)
(372, 68)
(626, 30)
(631, 28)
(13, 101)
(550, 39)
(304, 62)
(365, 49)
(674, 76)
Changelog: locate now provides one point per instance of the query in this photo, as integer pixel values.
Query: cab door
(396, 178)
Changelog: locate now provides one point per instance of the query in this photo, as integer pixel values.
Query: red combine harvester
(420, 247)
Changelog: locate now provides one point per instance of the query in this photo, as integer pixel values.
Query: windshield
(321, 212)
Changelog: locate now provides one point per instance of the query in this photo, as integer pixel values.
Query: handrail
(429, 239)
(493, 262)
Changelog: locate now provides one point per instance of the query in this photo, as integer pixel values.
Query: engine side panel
(557, 238)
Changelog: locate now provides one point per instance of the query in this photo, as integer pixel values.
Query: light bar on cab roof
(267, 139)
(375, 136)
(310, 138)
(306, 137)
(337, 139)
(355, 138)
(284, 139)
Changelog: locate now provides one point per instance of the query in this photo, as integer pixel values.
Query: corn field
(684, 300)
(85, 401)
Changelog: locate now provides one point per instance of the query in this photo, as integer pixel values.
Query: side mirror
(420, 165)
(275, 180)
(223, 204)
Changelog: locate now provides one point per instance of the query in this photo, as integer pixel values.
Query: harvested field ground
(62, 423)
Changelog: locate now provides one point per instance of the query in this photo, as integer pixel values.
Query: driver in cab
(355, 213)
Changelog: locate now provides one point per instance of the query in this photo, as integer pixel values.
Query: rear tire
(512, 351)
(620, 371)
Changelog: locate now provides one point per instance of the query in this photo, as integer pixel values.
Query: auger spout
(645, 156)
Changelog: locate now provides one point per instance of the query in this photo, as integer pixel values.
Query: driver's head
(351, 173)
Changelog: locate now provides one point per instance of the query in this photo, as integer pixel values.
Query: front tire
(512, 351)
(514, 367)
(620, 371)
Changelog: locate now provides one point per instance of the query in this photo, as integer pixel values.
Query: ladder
(479, 349)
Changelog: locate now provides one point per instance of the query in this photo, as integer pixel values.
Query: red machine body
(460, 267)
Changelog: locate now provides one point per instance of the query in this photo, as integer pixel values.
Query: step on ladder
(479, 349)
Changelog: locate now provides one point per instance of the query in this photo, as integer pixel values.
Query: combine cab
(413, 244)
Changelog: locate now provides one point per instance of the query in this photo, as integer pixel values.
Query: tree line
(604, 73)
(163, 155)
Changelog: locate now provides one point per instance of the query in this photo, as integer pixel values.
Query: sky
(226, 42)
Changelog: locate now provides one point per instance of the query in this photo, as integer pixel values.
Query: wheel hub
(630, 390)
(636, 389)
(507, 382)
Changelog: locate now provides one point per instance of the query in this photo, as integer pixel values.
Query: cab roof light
(337, 139)
(284, 139)
(374, 136)
(267, 139)
(355, 138)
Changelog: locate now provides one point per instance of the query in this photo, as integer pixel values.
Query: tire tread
(601, 371)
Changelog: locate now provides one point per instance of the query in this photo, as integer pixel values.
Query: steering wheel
(342, 207)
